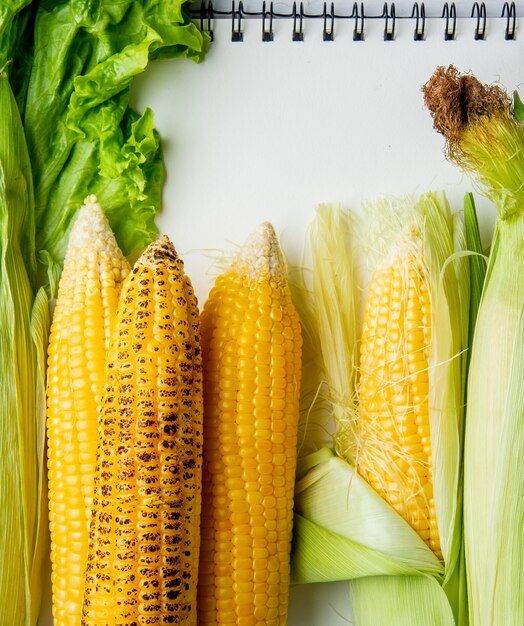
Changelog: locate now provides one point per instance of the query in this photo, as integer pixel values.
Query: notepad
(268, 127)
(266, 130)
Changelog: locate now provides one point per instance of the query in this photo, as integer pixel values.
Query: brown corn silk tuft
(144, 540)
(457, 100)
(252, 369)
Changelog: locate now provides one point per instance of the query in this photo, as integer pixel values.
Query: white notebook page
(266, 131)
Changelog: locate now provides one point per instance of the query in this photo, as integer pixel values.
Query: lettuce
(12, 23)
(82, 135)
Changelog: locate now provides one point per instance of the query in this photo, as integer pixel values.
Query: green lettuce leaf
(82, 135)
(13, 20)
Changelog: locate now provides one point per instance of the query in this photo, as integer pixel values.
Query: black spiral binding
(207, 13)
(298, 22)
(328, 32)
(449, 13)
(358, 31)
(389, 22)
(479, 11)
(420, 25)
(236, 22)
(509, 11)
(267, 18)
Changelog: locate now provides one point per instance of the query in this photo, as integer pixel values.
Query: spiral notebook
(311, 102)
(303, 103)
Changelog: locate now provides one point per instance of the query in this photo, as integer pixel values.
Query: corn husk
(325, 329)
(494, 491)
(343, 529)
(477, 263)
(23, 332)
(494, 487)
(486, 138)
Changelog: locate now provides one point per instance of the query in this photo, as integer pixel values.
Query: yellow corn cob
(395, 457)
(144, 536)
(252, 365)
(87, 299)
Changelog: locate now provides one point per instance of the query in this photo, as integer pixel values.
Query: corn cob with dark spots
(142, 566)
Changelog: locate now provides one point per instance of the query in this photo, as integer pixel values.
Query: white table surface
(265, 131)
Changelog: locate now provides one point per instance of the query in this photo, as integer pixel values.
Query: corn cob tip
(91, 230)
(157, 251)
(406, 248)
(261, 258)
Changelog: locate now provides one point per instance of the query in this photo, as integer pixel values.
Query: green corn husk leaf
(477, 273)
(344, 531)
(494, 491)
(333, 283)
(335, 498)
(40, 325)
(485, 139)
(23, 328)
(477, 262)
(400, 601)
(335, 508)
(518, 107)
(456, 587)
(328, 325)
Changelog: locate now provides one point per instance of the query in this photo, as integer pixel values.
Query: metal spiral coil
(206, 13)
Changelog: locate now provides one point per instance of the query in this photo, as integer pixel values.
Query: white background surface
(265, 131)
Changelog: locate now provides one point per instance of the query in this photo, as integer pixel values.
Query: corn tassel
(142, 563)
(252, 350)
(85, 309)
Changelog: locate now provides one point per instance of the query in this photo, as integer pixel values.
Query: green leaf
(83, 136)
(494, 443)
(344, 531)
(325, 556)
(40, 324)
(400, 601)
(477, 261)
(22, 412)
(518, 107)
(334, 498)
(12, 21)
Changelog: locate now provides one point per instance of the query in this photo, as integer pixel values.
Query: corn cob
(395, 458)
(144, 536)
(485, 137)
(86, 305)
(252, 367)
